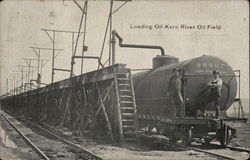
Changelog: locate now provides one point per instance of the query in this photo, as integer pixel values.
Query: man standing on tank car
(215, 91)
(174, 88)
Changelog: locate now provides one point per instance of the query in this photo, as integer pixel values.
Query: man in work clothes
(215, 91)
(174, 87)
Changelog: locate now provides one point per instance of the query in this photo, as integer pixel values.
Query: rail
(91, 156)
(36, 149)
(164, 142)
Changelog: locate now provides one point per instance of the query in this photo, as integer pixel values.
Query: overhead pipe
(115, 34)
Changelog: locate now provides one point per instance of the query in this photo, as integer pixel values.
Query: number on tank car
(209, 65)
(199, 71)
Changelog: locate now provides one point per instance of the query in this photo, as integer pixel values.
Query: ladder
(127, 115)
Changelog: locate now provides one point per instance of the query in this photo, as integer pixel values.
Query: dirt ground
(7, 153)
(12, 147)
(106, 151)
(243, 135)
(127, 151)
(132, 151)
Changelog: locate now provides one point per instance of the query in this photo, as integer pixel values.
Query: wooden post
(66, 109)
(119, 118)
(104, 99)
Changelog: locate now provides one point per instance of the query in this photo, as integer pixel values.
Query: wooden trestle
(98, 103)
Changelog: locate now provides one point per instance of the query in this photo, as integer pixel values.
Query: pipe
(114, 32)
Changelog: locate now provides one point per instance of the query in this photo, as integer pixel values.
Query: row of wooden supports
(101, 106)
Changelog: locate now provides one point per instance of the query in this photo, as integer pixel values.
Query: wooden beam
(104, 99)
(66, 108)
(99, 108)
(119, 117)
(105, 113)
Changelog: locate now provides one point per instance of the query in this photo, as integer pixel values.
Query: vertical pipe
(31, 80)
(29, 71)
(73, 43)
(14, 90)
(41, 72)
(26, 88)
(38, 64)
(7, 85)
(14, 86)
(22, 76)
(104, 39)
(74, 53)
(17, 85)
(113, 41)
(84, 32)
(110, 30)
(11, 86)
(72, 65)
(32, 74)
(38, 68)
(53, 58)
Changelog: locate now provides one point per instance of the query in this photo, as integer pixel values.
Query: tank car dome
(162, 60)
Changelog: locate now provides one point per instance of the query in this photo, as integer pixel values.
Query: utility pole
(110, 33)
(52, 38)
(37, 51)
(15, 75)
(28, 62)
(14, 81)
(38, 54)
(7, 85)
(84, 11)
(111, 59)
(21, 68)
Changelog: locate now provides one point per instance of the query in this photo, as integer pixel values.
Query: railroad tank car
(151, 87)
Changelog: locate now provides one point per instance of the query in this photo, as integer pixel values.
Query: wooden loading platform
(97, 103)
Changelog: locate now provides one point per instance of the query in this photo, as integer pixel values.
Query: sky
(218, 28)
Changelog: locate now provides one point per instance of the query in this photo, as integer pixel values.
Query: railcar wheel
(187, 137)
(149, 128)
(207, 141)
(173, 138)
(224, 136)
(222, 142)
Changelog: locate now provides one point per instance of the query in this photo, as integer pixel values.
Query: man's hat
(215, 72)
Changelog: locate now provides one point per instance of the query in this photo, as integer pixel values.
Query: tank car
(155, 108)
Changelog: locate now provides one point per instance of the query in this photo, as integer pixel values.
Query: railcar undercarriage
(189, 128)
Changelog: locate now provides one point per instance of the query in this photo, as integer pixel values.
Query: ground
(9, 148)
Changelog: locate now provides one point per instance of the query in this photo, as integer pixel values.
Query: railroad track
(89, 155)
(212, 153)
(163, 142)
(80, 153)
